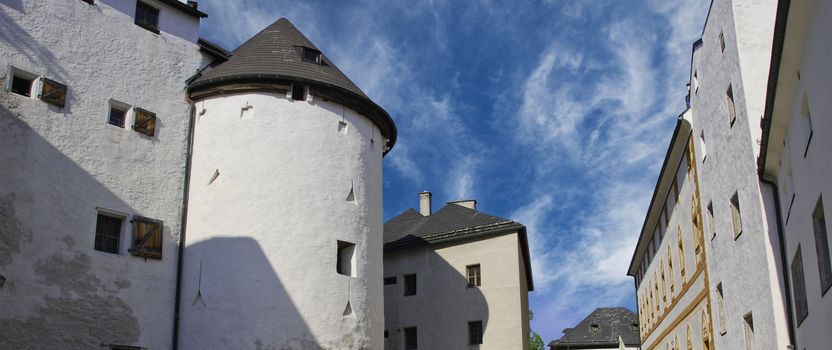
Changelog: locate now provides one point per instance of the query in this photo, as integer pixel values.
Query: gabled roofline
(213, 49)
(683, 129)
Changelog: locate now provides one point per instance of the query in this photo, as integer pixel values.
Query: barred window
(107, 233)
(147, 238)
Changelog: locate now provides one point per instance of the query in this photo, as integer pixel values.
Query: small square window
(409, 285)
(107, 233)
(53, 93)
(595, 328)
(298, 92)
(147, 238)
(147, 17)
(21, 82)
(145, 122)
(410, 338)
(389, 280)
(474, 279)
(118, 113)
(475, 332)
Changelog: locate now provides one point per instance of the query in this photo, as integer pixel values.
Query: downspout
(182, 226)
(783, 259)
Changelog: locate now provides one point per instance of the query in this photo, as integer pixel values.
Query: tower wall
(275, 185)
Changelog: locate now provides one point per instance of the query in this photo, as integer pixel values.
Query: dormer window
(594, 328)
(313, 56)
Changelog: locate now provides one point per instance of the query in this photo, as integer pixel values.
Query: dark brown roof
(611, 323)
(452, 223)
(274, 56)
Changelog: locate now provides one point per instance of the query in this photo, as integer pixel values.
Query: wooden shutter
(53, 93)
(145, 122)
(147, 238)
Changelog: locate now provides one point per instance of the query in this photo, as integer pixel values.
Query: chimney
(468, 203)
(424, 203)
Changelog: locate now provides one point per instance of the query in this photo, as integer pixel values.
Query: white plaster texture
(261, 254)
(443, 304)
(800, 165)
(61, 164)
(746, 265)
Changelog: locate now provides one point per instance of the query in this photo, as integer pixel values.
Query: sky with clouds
(552, 113)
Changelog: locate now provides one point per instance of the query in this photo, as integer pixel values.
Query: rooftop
(601, 329)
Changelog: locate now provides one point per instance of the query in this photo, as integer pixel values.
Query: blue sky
(555, 114)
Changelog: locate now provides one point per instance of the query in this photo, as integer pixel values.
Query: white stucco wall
(262, 237)
(443, 305)
(807, 51)
(746, 266)
(60, 165)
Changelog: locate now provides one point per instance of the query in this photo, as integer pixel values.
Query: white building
(455, 279)
(794, 161)
(109, 134)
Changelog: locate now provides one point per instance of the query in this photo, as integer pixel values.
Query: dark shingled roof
(274, 56)
(612, 322)
(452, 223)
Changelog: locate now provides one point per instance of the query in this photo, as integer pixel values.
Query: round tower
(284, 227)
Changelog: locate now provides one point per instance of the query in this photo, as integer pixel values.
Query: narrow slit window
(474, 278)
(144, 122)
(729, 99)
(721, 41)
(736, 215)
(822, 247)
(53, 92)
(711, 220)
(703, 146)
(475, 332)
(410, 285)
(806, 121)
(720, 309)
(346, 259)
(147, 238)
(147, 17)
(801, 303)
(748, 326)
(107, 233)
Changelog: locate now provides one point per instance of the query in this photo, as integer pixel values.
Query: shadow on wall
(18, 38)
(219, 273)
(442, 307)
(55, 288)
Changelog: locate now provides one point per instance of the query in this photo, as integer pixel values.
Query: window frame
(145, 24)
(119, 106)
(101, 247)
(409, 286)
(346, 256)
(15, 72)
(475, 332)
(477, 276)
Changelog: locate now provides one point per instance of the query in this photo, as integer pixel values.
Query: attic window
(313, 56)
(634, 326)
(595, 328)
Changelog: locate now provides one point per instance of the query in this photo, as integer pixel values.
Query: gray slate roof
(452, 223)
(274, 56)
(612, 322)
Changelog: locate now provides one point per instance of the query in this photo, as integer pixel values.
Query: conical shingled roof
(274, 56)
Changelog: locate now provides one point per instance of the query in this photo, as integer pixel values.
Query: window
(410, 338)
(696, 221)
(52, 92)
(21, 82)
(711, 220)
(736, 215)
(147, 238)
(346, 259)
(690, 338)
(806, 121)
(107, 233)
(670, 270)
(801, 304)
(475, 332)
(144, 122)
(720, 309)
(311, 55)
(706, 334)
(473, 275)
(410, 284)
(695, 82)
(594, 328)
(703, 146)
(681, 244)
(664, 285)
(298, 92)
(389, 280)
(729, 98)
(748, 325)
(118, 113)
(721, 42)
(634, 326)
(147, 17)
(822, 247)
